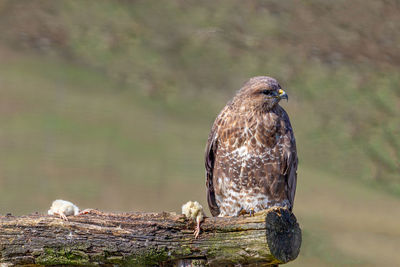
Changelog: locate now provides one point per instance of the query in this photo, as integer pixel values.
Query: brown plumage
(251, 158)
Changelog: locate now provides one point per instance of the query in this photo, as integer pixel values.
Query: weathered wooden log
(142, 239)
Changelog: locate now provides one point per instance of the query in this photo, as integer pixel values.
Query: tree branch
(271, 237)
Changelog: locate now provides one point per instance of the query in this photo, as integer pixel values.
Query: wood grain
(148, 239)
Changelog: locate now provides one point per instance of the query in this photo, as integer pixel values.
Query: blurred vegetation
(110, 102)
(341, 66)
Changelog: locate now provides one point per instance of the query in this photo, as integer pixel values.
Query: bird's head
(260, 92)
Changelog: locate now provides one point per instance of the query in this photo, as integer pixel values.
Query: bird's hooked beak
(283, 95)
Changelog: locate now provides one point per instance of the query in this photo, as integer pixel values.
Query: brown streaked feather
(251, 158)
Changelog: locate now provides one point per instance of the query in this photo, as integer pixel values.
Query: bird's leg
(61, 215)
(197, 230)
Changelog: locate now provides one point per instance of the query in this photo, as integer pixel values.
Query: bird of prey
(251, 158)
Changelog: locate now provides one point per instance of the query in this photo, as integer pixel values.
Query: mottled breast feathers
(251, 158)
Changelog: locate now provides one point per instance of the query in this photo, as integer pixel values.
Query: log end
(283, 234)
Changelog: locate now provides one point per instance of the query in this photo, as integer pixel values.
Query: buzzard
(251, 158)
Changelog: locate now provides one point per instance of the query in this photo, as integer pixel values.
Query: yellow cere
(280, 91)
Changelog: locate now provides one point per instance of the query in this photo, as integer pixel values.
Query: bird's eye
(266, 92)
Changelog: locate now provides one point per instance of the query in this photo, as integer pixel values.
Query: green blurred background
(109, 104)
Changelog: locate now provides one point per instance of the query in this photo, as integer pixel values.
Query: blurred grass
(345, 222)
(110, 104)
(342, 67)
(68, 132)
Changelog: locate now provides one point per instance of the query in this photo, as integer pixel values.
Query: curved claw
(251, 212)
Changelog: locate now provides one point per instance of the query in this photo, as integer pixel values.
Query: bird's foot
(244, 212)
(61, 215)
(197, 230)
(251, 212)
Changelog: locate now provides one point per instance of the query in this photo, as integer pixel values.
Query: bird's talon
(251, 212)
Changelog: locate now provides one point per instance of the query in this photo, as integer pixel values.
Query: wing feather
(290, 160)
(291, 177)
(211, 148)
